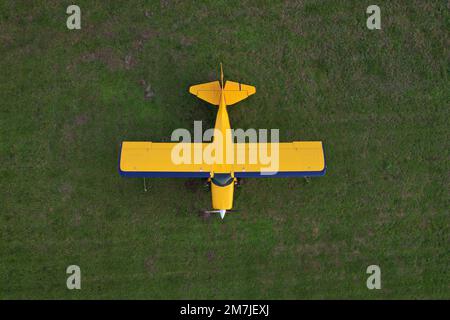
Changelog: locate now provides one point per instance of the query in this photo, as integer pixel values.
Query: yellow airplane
(149, 159)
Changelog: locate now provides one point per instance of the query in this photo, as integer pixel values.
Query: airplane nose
(222, 213)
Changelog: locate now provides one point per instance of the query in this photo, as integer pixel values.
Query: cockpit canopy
(222, 179)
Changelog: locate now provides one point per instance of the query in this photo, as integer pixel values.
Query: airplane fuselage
(223, 181)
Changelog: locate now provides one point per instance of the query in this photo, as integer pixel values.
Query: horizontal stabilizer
(235, 92)
(210, 92)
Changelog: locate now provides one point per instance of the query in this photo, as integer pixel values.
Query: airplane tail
(233, 91)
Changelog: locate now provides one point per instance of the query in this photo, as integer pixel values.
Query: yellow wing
(147, 159)
(285, 159)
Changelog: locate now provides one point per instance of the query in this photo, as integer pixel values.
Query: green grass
(379, 100)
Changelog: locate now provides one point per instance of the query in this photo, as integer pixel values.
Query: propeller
(221, 212)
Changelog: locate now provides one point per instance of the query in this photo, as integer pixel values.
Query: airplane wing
(148, 159)
(286, 159)
(295, 159)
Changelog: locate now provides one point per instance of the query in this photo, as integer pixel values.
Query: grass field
(379, 101)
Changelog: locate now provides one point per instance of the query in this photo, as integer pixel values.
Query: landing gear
(145, 186)
(207, 185)
(238, 182)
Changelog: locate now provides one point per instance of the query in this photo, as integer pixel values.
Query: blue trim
(281, 174)
(163, 174)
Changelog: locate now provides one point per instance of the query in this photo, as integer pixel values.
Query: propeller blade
(209, 211)
(221, 212)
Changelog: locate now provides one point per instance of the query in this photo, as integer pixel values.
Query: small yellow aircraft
(148, 159)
